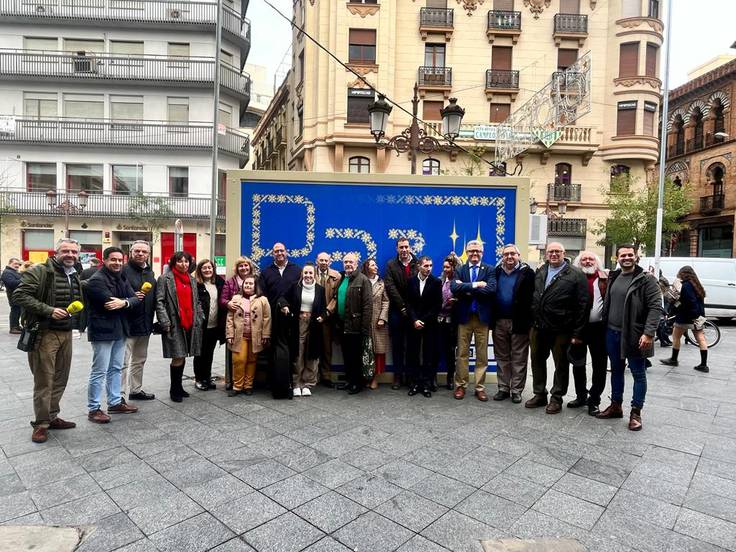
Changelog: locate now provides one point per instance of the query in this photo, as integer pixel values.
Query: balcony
(676, 149)
(134, 134)
(570, 26)
(436, 21)
(570, 227)
(503, 23)
(198, 72)
(712, 204)
(162, 14)
(694, 144)
(563, 192)
(499, 81)
(20, 202)
(435, 79)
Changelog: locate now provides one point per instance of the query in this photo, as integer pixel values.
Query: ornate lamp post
(67, 206)
(414, 139)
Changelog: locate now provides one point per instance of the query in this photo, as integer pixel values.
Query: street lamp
(414, 139)
(67, 206)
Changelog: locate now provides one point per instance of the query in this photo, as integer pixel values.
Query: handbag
(699, 323)
(29, 338)
(369, 359)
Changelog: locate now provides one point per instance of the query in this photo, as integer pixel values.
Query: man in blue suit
(474, 289)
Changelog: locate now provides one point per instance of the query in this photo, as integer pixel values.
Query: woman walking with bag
(209, 290)
(689, 315)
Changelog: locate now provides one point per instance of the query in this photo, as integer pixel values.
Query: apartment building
(493, 56)
(106, 121)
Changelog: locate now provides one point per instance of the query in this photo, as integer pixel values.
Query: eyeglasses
(557, 251)
(475, 250)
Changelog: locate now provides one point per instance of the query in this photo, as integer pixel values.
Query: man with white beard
(594, 335)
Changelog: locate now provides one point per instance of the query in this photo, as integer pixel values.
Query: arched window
(679, 125)
(430, 167)
(697, 141)
(677, 182)
(719, 121)
(359, 164)
(563, 173)
(716, 173)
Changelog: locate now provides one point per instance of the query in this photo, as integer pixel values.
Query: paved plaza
(375, 472)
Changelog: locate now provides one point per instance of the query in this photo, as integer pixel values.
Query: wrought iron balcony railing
(694, 144)
(573, 227)
(114, 206)
(501, 20)
(571, 23)
(712, 203)
(119, 133)
(169, 70)
(435, 76)
(441, 18)
(499, 78)
(564, 192)
(676, 149)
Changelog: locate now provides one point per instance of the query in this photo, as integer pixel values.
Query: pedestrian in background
(11, 280)
(209, 291)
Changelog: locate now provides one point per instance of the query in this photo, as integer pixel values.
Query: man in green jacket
(44, 293)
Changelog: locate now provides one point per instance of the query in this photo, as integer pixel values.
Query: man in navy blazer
(474, 289)
(424, 301)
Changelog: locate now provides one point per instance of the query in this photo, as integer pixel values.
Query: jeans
(636, 365)
(107, 365)
(14, 316)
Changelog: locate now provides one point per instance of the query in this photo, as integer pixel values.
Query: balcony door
(442, 4)
(563, 174)
(570, 6)
(501, 58)
(503, 5)
(434, 55)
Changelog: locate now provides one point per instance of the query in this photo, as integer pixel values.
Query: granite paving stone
(163, 512)
(713, 505)
(236, 544)
(247, 512)
(460, 533)
(330, 511)
(535, 524)
(264, 473)
(707, 528)
(110, 533)
(294, 491)
(403, 473)
(605, 473)
(515, 489)
(286, 533)
(420, 544)
(373, 532)
(569, 509)
(81, 511)
(10, 484)
(327, 544)
(369, 490)
(196, 534)
(534, 472)
(654, 511)
(411, 510)
(334, 473)
(217, 491)
(586, 489)
(491, 509)
(443, 490)
(16, 505)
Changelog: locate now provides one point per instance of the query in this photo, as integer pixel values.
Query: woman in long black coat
(209, 290)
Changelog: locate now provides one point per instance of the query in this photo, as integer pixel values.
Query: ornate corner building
(492, 55)
(701, 152)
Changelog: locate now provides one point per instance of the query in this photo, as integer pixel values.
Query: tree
(633, 213)
(153, 212)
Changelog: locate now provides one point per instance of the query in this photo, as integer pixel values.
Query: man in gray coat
(633, 297)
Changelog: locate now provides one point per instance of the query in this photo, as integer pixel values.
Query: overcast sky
(701, 29)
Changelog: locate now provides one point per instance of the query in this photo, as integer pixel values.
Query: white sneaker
(297, 392)
(306, 392)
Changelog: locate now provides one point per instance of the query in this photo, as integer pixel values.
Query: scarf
(184, 295)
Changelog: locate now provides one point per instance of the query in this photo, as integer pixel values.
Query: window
(226, 57)
(84, 46)
(650, 110)
(179, 181)
(126, 108)
(430, 167)
(362, 46)
(631, 8)
(40, 177)
(719, 122)
(127, 179)
(619, 182)
(651, 61)
(437, 3)
(697, 121)
(358, 101)
(500, 112)
(563, 173)
(626, 120)
(177, 110)
(716, 173)
(501, 58)
(654, 9)
(679, 135)
(180, 52)
(628, 60)
(38, 43)
(566, 57)
(225, 114)
(431, 110)
(434, 55)
(300, 120)
(125, 47)
(40, 104)
(301, 67)
(38, 240)
(569, 6)
(84, 106)
(503, 5)
(359, 165)
(84, 177)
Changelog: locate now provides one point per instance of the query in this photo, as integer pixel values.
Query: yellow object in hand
(146, 287)
(75, 307)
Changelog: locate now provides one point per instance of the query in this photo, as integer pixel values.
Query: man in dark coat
(513, 320)
(138, 272)
(278, 277)
(11, 280)
(424, 301)
(396, 277)
(559, 305)
(109, 296)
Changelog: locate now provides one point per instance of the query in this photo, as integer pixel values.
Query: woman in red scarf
(180, 316)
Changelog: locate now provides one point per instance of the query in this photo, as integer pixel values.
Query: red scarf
(184, 294)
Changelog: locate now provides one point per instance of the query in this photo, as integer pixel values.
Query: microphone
(75, 307)
(146, 287)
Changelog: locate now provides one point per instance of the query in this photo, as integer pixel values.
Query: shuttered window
(126, 47)
(437, 3)
(631, 8)
(566, 57)
(177, 109)
(503, 5)
(501, 58)
(431, 111)
(569, 6)
(650, 110)
(628, 60)
(85, 106)
(358, 101)
(37, 43)
(500, 112)
(40, 104)
(652, 52)
(626, 120)
(362, 46)
(71, 45)
(126, 108)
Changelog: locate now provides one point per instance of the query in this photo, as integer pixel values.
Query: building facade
(701, 152)
(115, 99)
(493, 56)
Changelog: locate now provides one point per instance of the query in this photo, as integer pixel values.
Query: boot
(703, 366)
(613, 411)
(672, 361)
(635, 419)
(175, 389)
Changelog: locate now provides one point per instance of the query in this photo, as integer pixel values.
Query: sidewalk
(374, 472)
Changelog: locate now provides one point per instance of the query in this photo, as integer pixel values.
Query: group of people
(288, 318)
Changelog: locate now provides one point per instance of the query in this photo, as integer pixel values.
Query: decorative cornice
(470, 5)
(537, 6)
(640, 80)
(363, 9)
(362, 68)
(727, 69)
(359, 83)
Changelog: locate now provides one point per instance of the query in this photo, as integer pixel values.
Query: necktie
(473, 278)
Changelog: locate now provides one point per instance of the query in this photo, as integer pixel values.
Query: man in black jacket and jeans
(559, 305)
(138, 272)
(11, 280)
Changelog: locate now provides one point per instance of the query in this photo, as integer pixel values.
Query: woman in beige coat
(248, 332)
(379, 319)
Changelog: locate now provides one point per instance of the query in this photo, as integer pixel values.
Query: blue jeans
(636, 365)
(107, 364)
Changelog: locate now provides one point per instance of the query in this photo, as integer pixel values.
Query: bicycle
(710, 329)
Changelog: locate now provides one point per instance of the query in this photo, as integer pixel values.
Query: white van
(717, 275)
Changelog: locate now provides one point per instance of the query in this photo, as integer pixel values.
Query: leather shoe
(668, 362)
(635, 419)
(516, 398)
(427, 392)
(593, 410)
(553, 407)
(248, 391)
(40, 434)
(702, 368)
(234, 392)
(480, 394)
(450, 385)
(98, 417)
(501, 396)
(413, 390)
(613, 411)
(536, 401)
(459, 393)
(141, 396)
(577, 403)
(58, 423)
(354, 390)
(122, 408)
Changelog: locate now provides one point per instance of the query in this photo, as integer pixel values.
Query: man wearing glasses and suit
(474, 289)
